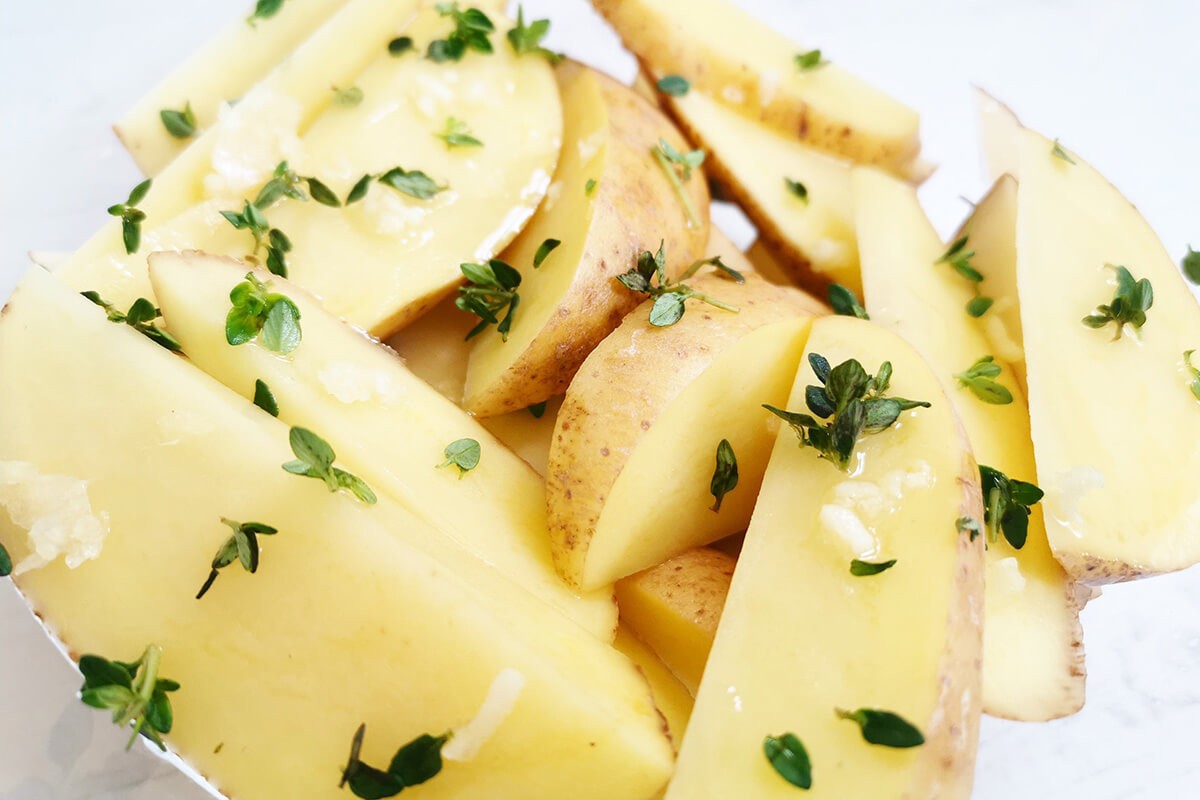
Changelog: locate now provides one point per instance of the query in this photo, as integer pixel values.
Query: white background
(1115, 80)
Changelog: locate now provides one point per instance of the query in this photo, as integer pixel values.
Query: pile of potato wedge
(412, 427)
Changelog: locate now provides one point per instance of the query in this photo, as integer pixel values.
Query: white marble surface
(1115, 80)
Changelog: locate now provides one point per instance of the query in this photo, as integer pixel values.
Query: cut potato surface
(813, 235)
(221, 71)
(675, 607)
(1033, 649)
(906, 640)
(386, 425)
(1114, 425)
(573, 300)
(728, 54)
(635, 442)
(389, 257)
(672, 699)
(422, 628)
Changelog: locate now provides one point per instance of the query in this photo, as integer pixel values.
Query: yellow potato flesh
(670, 696)
(1112, 412)
(800, 636)
(1033, 651)
(356, 614)
(389, 427)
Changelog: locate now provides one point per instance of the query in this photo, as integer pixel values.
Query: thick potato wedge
(573, 299)
(675, 608)
(635, 445)
(815, 634)
(398, 628)
(729, 55)
(1032, 643)
(813, 235)
(1114, 424)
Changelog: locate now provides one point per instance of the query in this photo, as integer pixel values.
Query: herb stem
(693, 221)
(712, 301)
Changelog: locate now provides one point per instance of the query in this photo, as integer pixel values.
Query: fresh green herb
(413, 183)
(471, 30)
(180, 124)
(789, 758)
(544, 249)
(528, 39)
(538, 409)
(276, 243)
(264, 9)
(264, 398)
(131, 217)
(1195, 383)
(980, 379)
(669, 158)
(457, 134)
(241, 546)
(359, 190)
(140, 317)
(969, 525)
(797, 189)
(725, 476)
(5, 563)
(464, 454)
(1129, 305)
(852, 400)
(414, 763)
(1058, 152)
(884, 727)
(1006, 505)
(670, 296)
(959, 257)
(400, 45)
(674, 85)
(256, 311)
(314, 459)
(589, 187)
(843, 302)
(491, 288)
(285, 183)
(1191, 265)
(349, 97)
(132, 691)
(810, 60)
(862, 569)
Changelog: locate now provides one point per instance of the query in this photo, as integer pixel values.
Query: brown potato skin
(635, 209)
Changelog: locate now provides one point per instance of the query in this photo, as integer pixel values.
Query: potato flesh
(387, 426)
(754, 160)
(670, 696)
(343, 589)
(811, 654)
(1033, 652)
(388, 258)
(1113, 411)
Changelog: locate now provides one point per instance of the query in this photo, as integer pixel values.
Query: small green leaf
(359, 190)
(281, 326)
(400, 45)
(589, 187)
(139, 192)
(864, 568)
(667, 309)
(687, 160)
(311, 449)
(349, 97)
(462, 453)
(979, 378)
(1191, 265)
(527, 39)
(674, 85)
(98, 671)
(366, 781)
(1131, 300)
(544, 249)
(137, 701)
(471, 29)
(457, 134)
(108, 697)
(969, 525)
(419, 760)
(413, 183)
(180, 124)
(6, 564)
(537, 409)
(725, 475)
(356, 486)
(979, 306)
(884, 728)
(809, 60)
(491, 289)
(264, 9)
(265, 399)
(322, 193)
(1058, 152)
(844, 302)
(1194, 385)
(797, 189)
(789, 758)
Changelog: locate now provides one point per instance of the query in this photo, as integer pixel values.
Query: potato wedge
(823, 106)
(573, 299)
(813, 234)
(768, 264)
(675, 608)
(1114, 423)
(635, 445)
(388, 427)
(387, 258)
(817, 632)
(672, 699)
(399, 628)
(1032, 643)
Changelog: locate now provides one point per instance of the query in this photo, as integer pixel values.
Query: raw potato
(906, 640)
(636, 439)
(573, 299)
(387, 426)
(1114, 424)
(672, 699)
(1000, 128)
(814, 237)
(675, 607)
(352, 599)
(1033, 645)
(223, 70)
(388, 258)
(728, 54)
